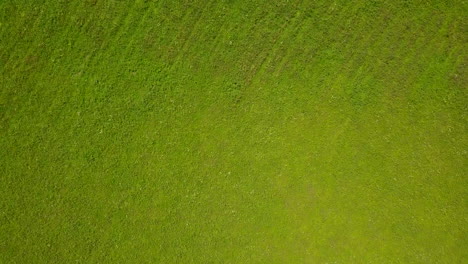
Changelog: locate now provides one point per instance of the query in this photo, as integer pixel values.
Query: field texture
(221, 131)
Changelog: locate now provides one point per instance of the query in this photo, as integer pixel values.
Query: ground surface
(233, 131)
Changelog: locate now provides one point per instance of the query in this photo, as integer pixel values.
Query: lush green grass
(233, 131)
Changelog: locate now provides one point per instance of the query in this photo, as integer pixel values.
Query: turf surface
(233, 131)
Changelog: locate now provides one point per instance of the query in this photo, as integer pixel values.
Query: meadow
(233, 131)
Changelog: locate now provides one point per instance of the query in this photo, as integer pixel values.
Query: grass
(233, 131)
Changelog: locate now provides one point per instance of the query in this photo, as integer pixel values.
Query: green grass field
(225, 131)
